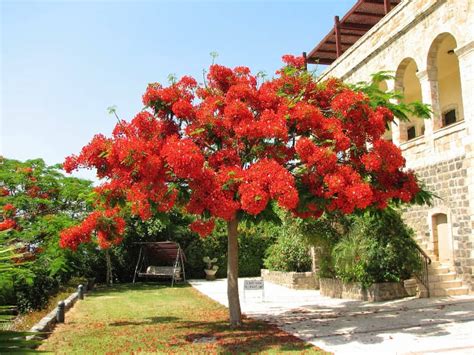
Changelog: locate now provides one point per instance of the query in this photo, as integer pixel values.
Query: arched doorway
(442, 242)
(407, 82)
(443, 69)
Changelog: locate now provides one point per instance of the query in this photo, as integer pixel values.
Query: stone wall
(449, 180)
(295, 280)
(377, 292)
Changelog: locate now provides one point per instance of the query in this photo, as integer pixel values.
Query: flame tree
(233, 148)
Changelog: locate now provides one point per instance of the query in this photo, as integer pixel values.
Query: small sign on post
(254, 285)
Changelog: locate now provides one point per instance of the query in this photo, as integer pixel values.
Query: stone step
(438, 270)
(457, 291)
(450, 276)
(445, 284)
(410, 282)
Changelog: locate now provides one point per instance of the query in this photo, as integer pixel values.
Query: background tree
(37, 202)
(232, 148)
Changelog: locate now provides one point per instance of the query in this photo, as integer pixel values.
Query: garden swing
(160, 260)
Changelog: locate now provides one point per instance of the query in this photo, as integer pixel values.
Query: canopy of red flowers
(231, 145)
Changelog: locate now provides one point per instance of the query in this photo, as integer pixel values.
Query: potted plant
(210, 269)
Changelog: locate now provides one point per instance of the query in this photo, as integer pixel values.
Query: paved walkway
(407, 326)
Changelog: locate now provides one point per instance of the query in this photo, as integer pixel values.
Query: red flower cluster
(267, 180)
(203, 228)
(183, 157)
(323, 159)
(7, 224)
(3, 192)
(291, 60)
(9, 209)
(107, 224)
(384, 156)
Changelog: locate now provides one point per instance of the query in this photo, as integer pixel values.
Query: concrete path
(407, 326)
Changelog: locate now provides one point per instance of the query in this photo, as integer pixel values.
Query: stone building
(428, 45)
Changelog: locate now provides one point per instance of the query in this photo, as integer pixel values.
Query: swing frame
(169, 249)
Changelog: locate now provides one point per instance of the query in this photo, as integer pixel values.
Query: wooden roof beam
(337, 33)
(381, 2)
(342, 43)
(369, 14)
(326, 51)
(355, 26)
(351, 34)
(325, 61)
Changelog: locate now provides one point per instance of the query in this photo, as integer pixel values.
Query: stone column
(465, 56)
(395, 126)
(429, 97)
(433, 95)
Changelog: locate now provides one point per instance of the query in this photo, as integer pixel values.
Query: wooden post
(386, 6)
(60, 312)
(305, 61)
(80, 292)
(337, 33)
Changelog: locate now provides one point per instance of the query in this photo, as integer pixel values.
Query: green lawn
(155, 318)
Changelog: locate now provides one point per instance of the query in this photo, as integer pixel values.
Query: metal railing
(423, 274)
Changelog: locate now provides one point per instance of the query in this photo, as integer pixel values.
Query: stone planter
(210, 274)
(295, 280)
(353, 290)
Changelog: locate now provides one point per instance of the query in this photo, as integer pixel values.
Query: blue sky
(64, 62)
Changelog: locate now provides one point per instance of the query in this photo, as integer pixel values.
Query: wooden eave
(364, 15)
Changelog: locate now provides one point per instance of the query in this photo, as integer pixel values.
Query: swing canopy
(160, 260)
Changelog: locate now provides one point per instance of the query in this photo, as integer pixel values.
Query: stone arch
(408, 83)
(445, 80)
(400, 72)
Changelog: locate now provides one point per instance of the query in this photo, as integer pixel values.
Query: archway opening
(409, 84)
(443, 66)
(442, 244)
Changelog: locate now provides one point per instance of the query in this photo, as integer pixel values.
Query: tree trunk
(313, 258)
(108, 276)
(233, 273)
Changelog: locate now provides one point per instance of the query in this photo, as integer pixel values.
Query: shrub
(379, 248)
(289, 253)
(34, 294)
(324, 233)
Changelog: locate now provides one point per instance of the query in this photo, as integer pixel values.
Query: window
(411, 132)
(449, 117)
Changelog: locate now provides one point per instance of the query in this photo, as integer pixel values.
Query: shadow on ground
(151, 320)
(102, 290)
(347, 323)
